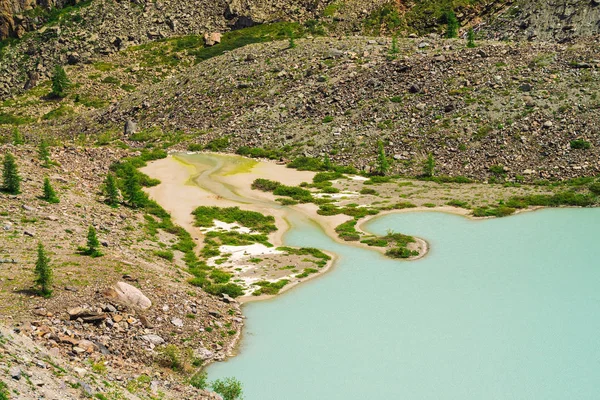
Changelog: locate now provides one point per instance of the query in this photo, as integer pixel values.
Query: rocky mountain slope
(97, 332)
(554, 20)
(498, 104)
(62, 32)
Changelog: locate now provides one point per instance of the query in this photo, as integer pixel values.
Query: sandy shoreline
(179, 195)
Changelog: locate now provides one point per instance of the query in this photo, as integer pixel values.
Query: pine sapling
(132, 190)
(451, 25)
(93, 244)
(43, 272)
(49, 194)
(44, 154)
(382, 165)
(471, 38)
(11, 181)
(110, 190)
(60, 82)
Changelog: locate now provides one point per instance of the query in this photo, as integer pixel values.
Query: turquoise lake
(500, 309)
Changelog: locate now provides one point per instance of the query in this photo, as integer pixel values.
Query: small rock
(414, 88)
(15, 373)
(548, 124)
(110, 308)
(130, 127)
(210, 39)
(177, 322)
(154, 339)
(29, 233)
(526, 87)
(27, 208)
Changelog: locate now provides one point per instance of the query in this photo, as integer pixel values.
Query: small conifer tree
(43, 272)
(132, 190)
(471, 38)
(327, 163)
(291, 43)
(44, 154)
(60, 82)
(110, 190)
(17, 137)
(49, 194)
(394, 49)
(429, 166)
(451, 25)
(11, 181)
(92, 243)
(382, 165)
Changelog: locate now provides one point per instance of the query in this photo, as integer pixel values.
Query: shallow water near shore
(499, 309)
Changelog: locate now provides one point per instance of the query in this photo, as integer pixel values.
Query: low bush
(165, 254)
(347, 231)
(369, 191)
(265, 185)
(270, 288)
(205, 217)
(580, 144)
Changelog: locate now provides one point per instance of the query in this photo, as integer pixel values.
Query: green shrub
(205, 216)
(270, 288)
(230, 289)
(228, 388)
(347, 231)
(500, 211)
(59, 112)
(219, 276)
(195, 147)
(306, 164)
(296, 193)
(580, 144)
(165, 254)
(377, 179)
(199, 380)
(4, 394)
(257, 152)
(458, 203)
(595, 188)
(369, 191)
(326, 176)
(555, 200)
(307, 272)
(218, 144)
(265, 185)
(401, 252)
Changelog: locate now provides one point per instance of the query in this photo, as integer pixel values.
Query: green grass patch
(270, 288)
(205, 217)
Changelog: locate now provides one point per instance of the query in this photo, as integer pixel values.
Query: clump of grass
(265, 185)
(164, 254)
(347, 231)
(270, 288)
(307, 272)
(580, 144)
(205, 217)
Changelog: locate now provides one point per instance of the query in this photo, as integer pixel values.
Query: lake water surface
(499, 309)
